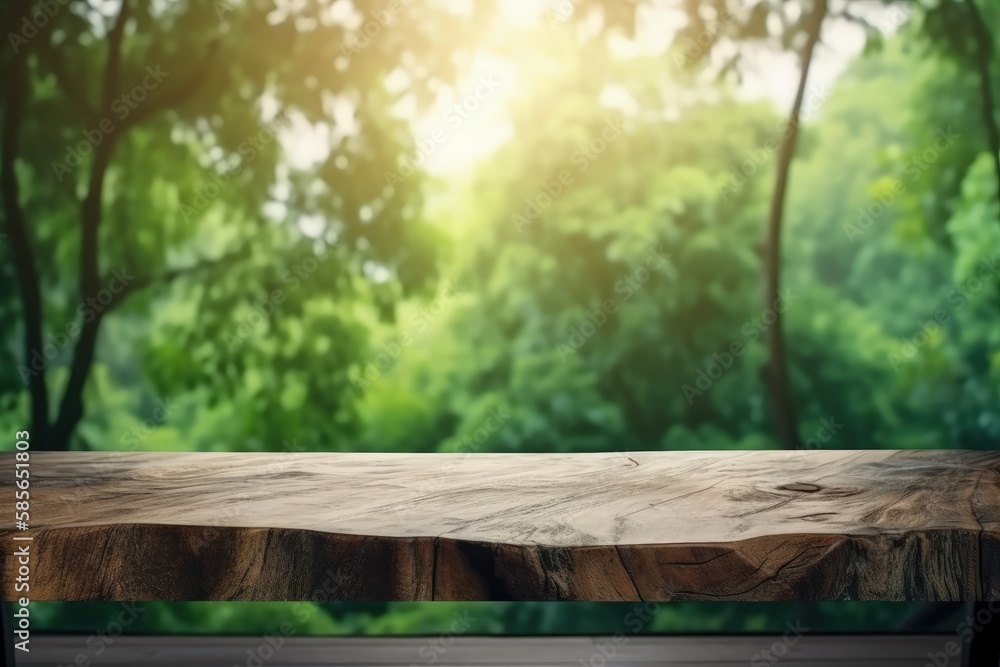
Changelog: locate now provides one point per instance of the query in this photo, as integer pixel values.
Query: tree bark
(16, 93)
(58, 434)
(984, 54)
(71, 406)
(782, 402)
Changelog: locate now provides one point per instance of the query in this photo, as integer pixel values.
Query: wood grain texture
(655, 526)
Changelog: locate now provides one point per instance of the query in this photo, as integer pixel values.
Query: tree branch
(847, 15)
(170, 275)
(15, 94)
(984, 55)
(113, 66)
(179, 94)
(71, 405)
(782, 402)
(67, 83)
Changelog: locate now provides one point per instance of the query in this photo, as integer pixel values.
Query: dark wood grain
(748, 525)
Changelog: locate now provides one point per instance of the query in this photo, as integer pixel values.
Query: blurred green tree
(142, 156)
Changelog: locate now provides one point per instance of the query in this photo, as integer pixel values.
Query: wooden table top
(655, 526)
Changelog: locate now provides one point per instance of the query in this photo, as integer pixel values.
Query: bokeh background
(305, 225)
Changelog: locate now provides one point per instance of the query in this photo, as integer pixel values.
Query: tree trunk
(782, 402)
(16, 91)
(984, 54)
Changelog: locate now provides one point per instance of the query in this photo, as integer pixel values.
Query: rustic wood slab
(654, 526)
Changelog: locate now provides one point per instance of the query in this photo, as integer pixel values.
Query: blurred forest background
(304, 225)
